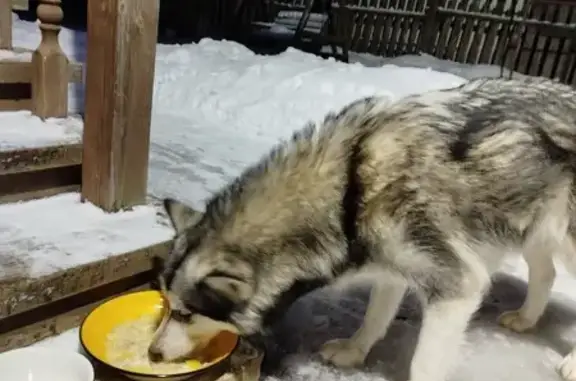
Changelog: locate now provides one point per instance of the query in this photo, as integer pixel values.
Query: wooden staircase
(113, 177)
(32, 309)
(39, 172)
(37, 81)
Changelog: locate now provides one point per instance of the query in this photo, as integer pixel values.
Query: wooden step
(34, 309)
(61, 254)
(24, 299)
(32, 173)
(41, 158)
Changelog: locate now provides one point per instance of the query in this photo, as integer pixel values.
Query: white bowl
(44, 364)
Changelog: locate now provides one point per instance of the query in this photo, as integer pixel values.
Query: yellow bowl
(124, 308)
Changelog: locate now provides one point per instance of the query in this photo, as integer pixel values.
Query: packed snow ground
(217, 108)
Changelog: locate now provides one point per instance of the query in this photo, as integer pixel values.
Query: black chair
(308, 25)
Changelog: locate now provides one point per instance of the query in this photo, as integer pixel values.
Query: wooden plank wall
(537, 38)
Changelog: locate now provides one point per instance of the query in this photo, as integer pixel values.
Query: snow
(66, 233)
(217, 108)
(248, 102)
(22, 129)
(10, 55)
(423, 60)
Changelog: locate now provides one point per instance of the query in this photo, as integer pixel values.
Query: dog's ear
(181, 215)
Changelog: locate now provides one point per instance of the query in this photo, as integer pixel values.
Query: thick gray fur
(426, 194)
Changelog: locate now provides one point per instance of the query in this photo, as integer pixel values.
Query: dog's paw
(514, 321)
(567, 367)
(342, 353)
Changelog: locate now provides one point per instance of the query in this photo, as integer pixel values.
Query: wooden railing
(121, 49)
(39, 84)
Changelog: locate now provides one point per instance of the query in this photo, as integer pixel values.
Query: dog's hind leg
(541, 275)
(385, 298)
(552, 233)
(546, 238)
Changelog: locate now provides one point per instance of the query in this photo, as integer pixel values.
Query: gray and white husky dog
(425, 194)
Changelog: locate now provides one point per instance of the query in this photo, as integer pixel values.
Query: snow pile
(218, 107)
(270, 96)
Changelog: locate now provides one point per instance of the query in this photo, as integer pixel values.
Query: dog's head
(205, 284)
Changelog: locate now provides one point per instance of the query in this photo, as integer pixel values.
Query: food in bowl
(101, 333)
(127, 348)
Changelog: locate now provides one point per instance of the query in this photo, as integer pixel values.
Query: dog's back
(488, 161)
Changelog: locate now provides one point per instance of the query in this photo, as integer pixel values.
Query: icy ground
(217, 108)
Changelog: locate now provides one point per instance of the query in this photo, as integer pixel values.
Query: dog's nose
(155, 356)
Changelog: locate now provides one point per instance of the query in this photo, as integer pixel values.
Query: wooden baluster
(49, 65)
(6, 24)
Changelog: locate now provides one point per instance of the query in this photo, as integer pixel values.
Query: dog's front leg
(443, 331)
(385, 298)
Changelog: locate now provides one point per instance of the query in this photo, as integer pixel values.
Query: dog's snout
(154, 355)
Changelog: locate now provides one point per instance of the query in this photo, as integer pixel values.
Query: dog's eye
(181, 316)
(211, 303)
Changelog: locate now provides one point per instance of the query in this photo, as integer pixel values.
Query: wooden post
(49, 65)
(6, 24)
(119, 84)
